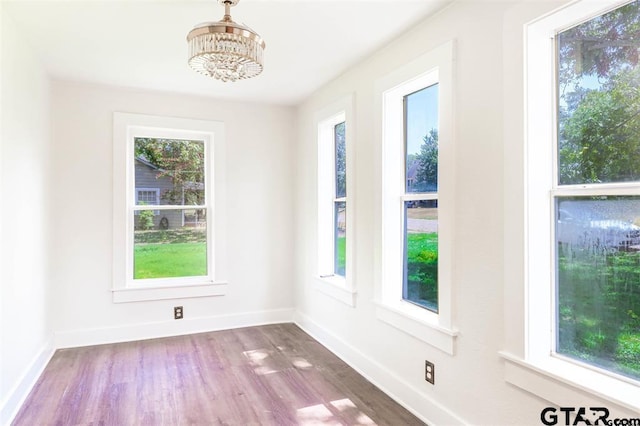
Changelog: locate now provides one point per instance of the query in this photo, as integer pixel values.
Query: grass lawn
(170, 260)
(342, 255)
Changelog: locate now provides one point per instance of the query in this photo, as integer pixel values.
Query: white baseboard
(423, 407)
(18, 394)
(153, 330)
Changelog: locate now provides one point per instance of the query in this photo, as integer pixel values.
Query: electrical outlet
(177, 312)
(430, 372)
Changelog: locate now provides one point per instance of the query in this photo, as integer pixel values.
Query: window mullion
(596, 189)
(168, 207)
(419, 196)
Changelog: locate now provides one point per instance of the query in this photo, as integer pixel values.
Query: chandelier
(225, 50)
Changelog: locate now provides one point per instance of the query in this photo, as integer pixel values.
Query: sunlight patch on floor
(257, 359)
(321, 414)
(316, 415)
(301, 363)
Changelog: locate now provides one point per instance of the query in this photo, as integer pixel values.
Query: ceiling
(142, 44)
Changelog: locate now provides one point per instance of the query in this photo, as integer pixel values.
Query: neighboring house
(412, 172)
(150, 190)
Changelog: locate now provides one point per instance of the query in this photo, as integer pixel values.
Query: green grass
(342, 255)
(170, 260)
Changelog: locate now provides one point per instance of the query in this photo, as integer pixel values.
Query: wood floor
(268, 375)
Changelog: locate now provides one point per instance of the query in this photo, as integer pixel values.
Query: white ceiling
(142, 44)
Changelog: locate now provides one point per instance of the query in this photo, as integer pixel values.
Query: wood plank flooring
(267, 375)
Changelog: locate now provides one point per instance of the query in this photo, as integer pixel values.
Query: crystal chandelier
(225, 50)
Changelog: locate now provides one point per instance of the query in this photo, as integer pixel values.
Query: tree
(145, 220)
(427, 173)
(341, 163)
(599, 139)
(182, 161)
(599, 99)
(601, 46)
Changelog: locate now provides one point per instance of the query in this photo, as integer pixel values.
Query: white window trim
(435, 66)
(529, 363)
(326, 282)
(125, 127)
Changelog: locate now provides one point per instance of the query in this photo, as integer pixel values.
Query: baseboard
(423, 407)
(19, 393)
(153, 330)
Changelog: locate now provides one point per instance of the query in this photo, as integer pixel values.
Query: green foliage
(170, 236)
(427, 173)
(600, 138)
(182, 161)
(341, 160)
(600, 46)
(598, 142)
(422, 269)
(599, 296)
(599, 98)
(145, 220)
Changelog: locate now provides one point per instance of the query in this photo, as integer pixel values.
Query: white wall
(470, 385)
(56, 241)
(25, 327)
(259, 215)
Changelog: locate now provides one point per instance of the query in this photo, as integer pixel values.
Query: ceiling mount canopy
(226, 50)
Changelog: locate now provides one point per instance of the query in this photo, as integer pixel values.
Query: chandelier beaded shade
(225, 50)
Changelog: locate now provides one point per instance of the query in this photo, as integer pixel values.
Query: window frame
(436, 329)
(327, 281)
(126, 128)
(529, 359)
(430, 79)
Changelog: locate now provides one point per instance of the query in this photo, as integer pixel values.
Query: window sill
(419, 323)
(564, 383)
(146, 293)
(336, 287)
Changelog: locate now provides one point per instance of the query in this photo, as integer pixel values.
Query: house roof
(147, 163)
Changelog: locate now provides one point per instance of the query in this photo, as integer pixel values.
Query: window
(595, 192)
(148, 196)
(340, 201)
(414, 294)
(335, 244)
(583, 204)
(164, 181)
(420, 233)
(170, 247)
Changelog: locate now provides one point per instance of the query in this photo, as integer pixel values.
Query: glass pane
(421, 140)
(598, 281)
(599, 100)
(341, 160)
(171, 243)
(340, 238)
(173, 168)
(420, 281)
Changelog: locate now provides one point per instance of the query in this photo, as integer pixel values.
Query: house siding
(147, 177)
